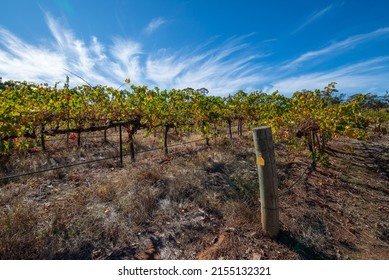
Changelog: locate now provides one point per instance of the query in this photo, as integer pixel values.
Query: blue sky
(223, 46)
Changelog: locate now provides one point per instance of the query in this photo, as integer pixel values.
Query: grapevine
(29, 113)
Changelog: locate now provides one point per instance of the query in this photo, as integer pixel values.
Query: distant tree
(371, 101)
(4, 85)
(338, 99)
(329, 89)
(386, 99)
(203, 91)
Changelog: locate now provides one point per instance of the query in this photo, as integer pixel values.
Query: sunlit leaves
(25, 107)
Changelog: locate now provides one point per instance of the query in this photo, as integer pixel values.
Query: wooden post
(121, 145)
(268, 181)
(131, 142)
(43, 137)
(230, 127)
(79, 139)
(165, 140)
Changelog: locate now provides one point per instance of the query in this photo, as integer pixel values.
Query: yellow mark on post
(260, 160)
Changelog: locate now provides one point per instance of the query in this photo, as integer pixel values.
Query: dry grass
(199, 203)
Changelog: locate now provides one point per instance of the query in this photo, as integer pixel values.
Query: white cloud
(154, 24)
(164, 70)
(98, 49)
(22, 61)
(369, 75)
(126, 61)
(311, 18)
(222, 70)
(335, 48)
(223, 67)
(80, 58)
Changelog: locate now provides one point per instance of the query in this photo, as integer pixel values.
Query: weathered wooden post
(120, 145)
(268, 181)
(43, 137)
(79, 139)
(131, 142)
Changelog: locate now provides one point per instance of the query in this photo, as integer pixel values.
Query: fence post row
(268, 181)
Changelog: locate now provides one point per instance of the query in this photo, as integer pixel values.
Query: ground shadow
(82, 252)
(305, 252)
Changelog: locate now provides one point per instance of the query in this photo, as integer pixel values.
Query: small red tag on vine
(73, 136)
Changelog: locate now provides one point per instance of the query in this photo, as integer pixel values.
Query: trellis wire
(87, 162)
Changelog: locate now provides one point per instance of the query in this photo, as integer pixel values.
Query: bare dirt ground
(202, 203)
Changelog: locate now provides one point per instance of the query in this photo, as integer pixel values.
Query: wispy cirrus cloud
(222, 69)
(337, 47)
(125, 61)
(312, 17)
(369, 76)
(221, 66)
(22, 61)
(77, 55)
(154, 24)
